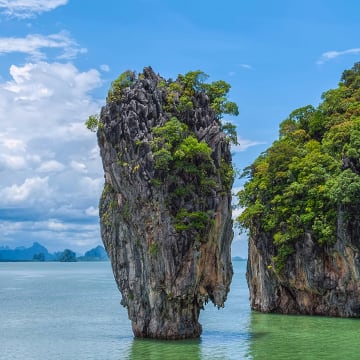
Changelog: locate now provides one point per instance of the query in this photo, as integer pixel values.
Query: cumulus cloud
(78, 166)
(12, 144)
(43, 98)
(28, 8)
(92, 211)
(92, 185)
(330, 55)
(31, 191)
(56, 225)
(35, 44)
(50, 166)
(56, 175)
(12, 162)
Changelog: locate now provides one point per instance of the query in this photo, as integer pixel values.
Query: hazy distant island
(238, 258)
(38, 252)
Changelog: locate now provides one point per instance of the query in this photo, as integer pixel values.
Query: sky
(58, 58)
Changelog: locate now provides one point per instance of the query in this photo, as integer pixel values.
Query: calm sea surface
(72, 311)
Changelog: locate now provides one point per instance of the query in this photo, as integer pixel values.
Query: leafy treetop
(298, 184)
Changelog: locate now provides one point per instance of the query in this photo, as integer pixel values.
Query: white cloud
(236, 212)
(15, 155)
(105, 68)
(92, 186)
(47, 99)
(51, 166)
(244, 144)
(56, 225)
(47, 148)
(12, 144)
(34, 44)
(31, 191)
(330, 55)
(246, 66)
(12, 162)
(92, 211)
(78, 166)
(28, 8)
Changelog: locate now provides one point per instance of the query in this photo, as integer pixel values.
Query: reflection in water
(165, 350)
(283, 337)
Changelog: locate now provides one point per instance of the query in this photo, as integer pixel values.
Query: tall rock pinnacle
(165, 211)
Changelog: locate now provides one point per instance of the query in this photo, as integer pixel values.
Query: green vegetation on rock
(181, 94)
(310, 174)
(166, 206)
(182, 160)
(92, 123)
(125, 80)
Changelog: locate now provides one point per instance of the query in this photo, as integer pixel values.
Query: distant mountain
(35, 252)
(38, 252)
(238, 258)
(95, 254)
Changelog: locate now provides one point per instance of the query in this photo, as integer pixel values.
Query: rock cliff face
(165, 215)
(314, 281)
(301, 208)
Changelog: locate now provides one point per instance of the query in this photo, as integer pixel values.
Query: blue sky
(58, 57)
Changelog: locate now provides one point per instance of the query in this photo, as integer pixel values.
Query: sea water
(72, 311)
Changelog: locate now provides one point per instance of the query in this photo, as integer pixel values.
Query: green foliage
(153, 249)
(298, 184)
(183, 163)
(193, 80)
(92, 123)
(217, 92)
(189, 170)
(125, 80)
(227, 174)
(170, 134)
(344, 189)
(193, 150)
(162, 159)
(180, 94)
(283, 252)
(229, 130)
(176, 149)
(195, 220)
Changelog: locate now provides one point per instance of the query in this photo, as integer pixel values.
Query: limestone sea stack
(302, 202)
(165, 211)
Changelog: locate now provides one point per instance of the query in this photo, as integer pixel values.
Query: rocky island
(302, 201)
(165, 211)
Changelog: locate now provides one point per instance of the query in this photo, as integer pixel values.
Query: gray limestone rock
(165, 275)
(314, 281)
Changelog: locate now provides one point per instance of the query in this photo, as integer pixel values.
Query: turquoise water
(72, 311)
